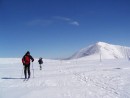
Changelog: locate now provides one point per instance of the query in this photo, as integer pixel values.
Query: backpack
(26, 60)
(40, 61)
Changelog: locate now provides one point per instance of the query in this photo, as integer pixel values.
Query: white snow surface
(105, 50)
(78, 78)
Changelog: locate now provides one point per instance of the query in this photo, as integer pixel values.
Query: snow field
(67, 79)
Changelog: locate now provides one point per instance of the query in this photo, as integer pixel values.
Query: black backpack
(40, 61)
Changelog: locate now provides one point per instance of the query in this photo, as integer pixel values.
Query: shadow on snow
(11, 78)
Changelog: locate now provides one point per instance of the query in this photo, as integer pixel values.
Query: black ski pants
(27, 70)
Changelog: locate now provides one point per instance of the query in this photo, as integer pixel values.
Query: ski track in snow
(67, 79)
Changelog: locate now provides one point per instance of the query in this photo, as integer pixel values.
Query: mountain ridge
(105, 50)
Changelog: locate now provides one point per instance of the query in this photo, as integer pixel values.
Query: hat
(28, 52)
(40, 58)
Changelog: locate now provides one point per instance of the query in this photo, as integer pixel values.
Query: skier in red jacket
(26, 63)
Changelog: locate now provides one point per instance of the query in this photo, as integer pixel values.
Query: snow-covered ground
(66, 79)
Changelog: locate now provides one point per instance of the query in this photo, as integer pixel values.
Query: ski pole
(33, 69)
(22, 72)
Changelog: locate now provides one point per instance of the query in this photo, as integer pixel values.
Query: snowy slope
(67, 79)
(105, 50)
(85, 77)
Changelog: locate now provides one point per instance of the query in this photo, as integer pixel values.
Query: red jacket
(26, 59)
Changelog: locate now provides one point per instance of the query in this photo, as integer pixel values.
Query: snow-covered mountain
(78, 78)
(102, 50)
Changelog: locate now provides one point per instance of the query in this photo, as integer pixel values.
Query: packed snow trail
(68, 79)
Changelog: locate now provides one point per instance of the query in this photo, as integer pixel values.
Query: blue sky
(58, 28)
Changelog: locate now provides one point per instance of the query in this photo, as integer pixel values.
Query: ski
(25, 79)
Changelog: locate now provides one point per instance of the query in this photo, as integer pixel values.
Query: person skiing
(26, 63)
(40, 62)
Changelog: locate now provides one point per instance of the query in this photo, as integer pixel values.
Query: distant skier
(26, 63)
(40, 62)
